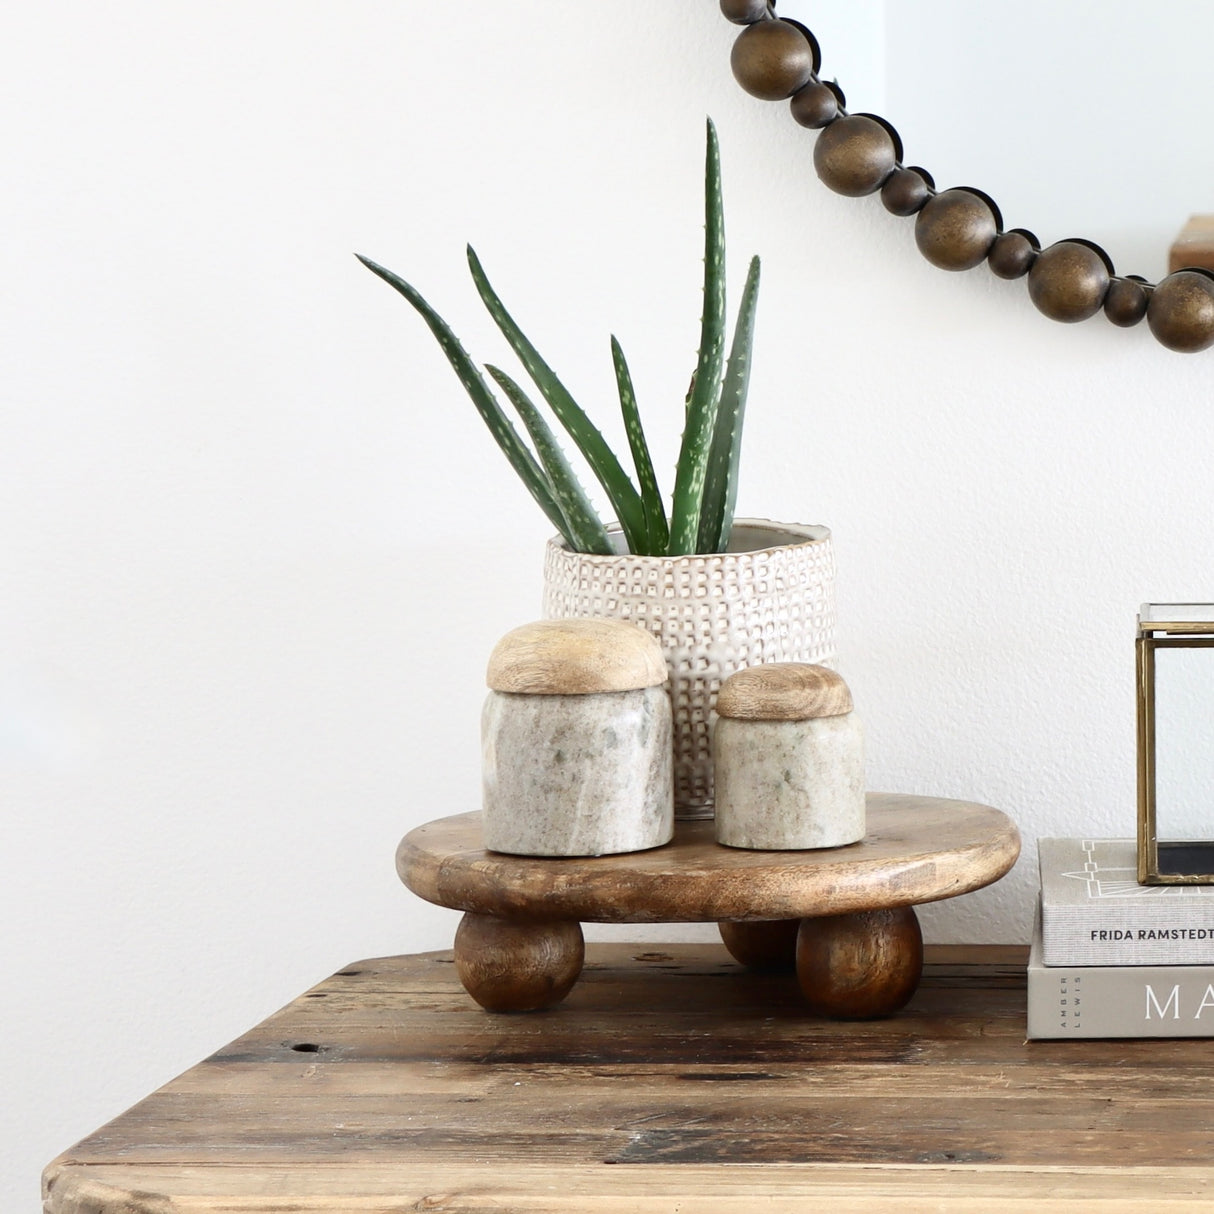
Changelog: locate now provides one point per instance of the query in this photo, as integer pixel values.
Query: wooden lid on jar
(783, 691)
(576, 657)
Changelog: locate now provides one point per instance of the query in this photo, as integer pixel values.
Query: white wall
(256, 546)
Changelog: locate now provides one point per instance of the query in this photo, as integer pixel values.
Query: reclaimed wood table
(671, 1079)
(844, 916)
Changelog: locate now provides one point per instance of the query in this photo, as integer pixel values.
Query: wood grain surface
(576, 657)
(765, 945)
(918, 849)
(518, 965)
(1194, 246)
(860, 966)
(671, 1079)
(784, 691)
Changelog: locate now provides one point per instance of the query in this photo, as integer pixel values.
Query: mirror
(1078, 119)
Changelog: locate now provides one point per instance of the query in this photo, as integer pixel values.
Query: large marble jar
(576, 741)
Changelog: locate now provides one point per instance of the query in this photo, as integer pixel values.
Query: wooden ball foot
(861, 966)
(767, 945)
(518, 965)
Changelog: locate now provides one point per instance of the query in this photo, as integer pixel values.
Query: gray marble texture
(788, 785)
(577, 775)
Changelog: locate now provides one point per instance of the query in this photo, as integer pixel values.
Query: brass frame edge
(1148, 843)
(1179, 627)
(1148, 829)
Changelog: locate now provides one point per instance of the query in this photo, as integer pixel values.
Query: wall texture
(256, 546)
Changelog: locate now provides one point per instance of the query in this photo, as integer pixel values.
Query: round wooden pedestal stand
(843, 916)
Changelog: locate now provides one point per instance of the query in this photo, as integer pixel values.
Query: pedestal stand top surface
(918, 849)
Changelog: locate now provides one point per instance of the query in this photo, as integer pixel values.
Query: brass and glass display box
(1175, 657)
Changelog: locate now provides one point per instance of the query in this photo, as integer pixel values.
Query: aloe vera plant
(706, 475)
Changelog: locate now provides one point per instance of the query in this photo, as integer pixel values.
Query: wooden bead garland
(772, 60)
(955, 230)
(1126, 301)
(855, 154)
(1068, 281)
(815, 106)
(1181, 311)
(1071, 281)
(906, 191)
(1012, 255)
(744, 12)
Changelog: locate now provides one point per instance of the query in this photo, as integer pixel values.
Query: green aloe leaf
(721, 482)
(586, 529)
(702, 408)
(657, 534)
(621, 492)
(500, 426)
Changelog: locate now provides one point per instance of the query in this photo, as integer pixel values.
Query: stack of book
(1112, 958)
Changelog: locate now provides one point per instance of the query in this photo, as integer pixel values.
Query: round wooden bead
(1181, 311)
(744, 12)
(815, 106)
(860, 966)
(905, 192)
(517, 966)
(1012, 255)
(772, 60)
(1126, 302)
(814, 49)
(855, 154)
(955, 230)
(769, 944)
(1068, 281)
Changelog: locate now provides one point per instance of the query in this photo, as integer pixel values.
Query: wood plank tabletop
(671, 1079)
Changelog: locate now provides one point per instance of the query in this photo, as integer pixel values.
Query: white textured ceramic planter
(770, 598)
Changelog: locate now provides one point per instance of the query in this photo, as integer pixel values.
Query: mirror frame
(778, 59)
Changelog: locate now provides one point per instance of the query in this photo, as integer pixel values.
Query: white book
(1094, 912)
(1117, 1000)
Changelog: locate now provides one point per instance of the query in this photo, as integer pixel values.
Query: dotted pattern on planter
(713, 614)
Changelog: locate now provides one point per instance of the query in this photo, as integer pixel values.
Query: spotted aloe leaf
(721, 482)
(705, 487)
(692, 467)
(621, 492)
(586, 531)
(657, 534)
(500, 426)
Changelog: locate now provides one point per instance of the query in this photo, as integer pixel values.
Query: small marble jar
(788, 754)
(577, 757)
